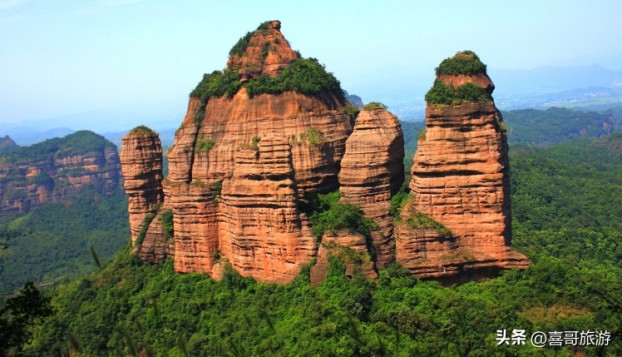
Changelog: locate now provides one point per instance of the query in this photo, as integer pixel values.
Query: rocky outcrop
(313, 125)
(372, 171)
(351, 248)
(262, 52)
(260, 139)
(460, 179)
(57, 168)
(240, 165)
(263, 234)
(141, 165)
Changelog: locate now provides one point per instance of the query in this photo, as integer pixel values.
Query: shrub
(375, 105)
(312, 136)
(240, 47)
(465, 62)
(205, 145)
(422, 135)
(265, 49)
(197, 182)
(167, 222)
(326, 213)
(420, 220)
(216, 189)
(143, 130)
(502, 126)
(305, 76)
(399, 200)
(253, 145)
(143, 230)
(351, 111)
(217, 84)
(264, 26)
(43, 179)
(440, 93)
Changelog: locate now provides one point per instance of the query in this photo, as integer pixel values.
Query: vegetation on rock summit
(465, 62)
(303, 75)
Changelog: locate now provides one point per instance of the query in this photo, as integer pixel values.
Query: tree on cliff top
(464, 62)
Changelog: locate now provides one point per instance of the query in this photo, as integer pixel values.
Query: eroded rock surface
(141, 165)
(372, 171)
(460, 178)
(54, 169)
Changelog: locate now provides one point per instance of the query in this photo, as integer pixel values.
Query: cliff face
(272, 130)
(240, 165)
(460, 179)
(264, 51)
(372, 171)
(56, 168)
(263, 233)
(141, 160)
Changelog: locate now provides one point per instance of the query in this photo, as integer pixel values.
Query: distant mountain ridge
(56, 168)
(541, 128)
(7, 144)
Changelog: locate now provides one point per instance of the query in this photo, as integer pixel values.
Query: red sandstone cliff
(460, 178)
(372, 171)
(267, 52)
(240, 164)
(141, 160)
(56, 168)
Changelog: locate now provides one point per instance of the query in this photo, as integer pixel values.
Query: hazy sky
(111, 64)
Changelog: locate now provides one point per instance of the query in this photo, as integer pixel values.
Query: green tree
(21, 313)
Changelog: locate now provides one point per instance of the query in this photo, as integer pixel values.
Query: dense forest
(567, 200)
(52, 242)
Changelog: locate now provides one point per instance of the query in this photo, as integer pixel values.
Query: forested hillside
(567, 202)
(52, 242)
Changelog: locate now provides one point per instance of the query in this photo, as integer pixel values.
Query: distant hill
(56, 168)
(354, 100)
(556, 125)
(29, 135)
(7, 144)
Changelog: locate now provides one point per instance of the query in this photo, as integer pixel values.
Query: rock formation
(352, 248)
(262, 232)
(459, 219)
(372, 171)
(56, 168)
(262, 52)
(141, 160)
(241, 163)
(264, 137)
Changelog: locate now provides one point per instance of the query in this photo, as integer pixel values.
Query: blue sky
(111, 64)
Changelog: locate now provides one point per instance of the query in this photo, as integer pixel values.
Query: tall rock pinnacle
(257, 138)
(460, 216)
(262, 52)
(141, 166)
(372, 171)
